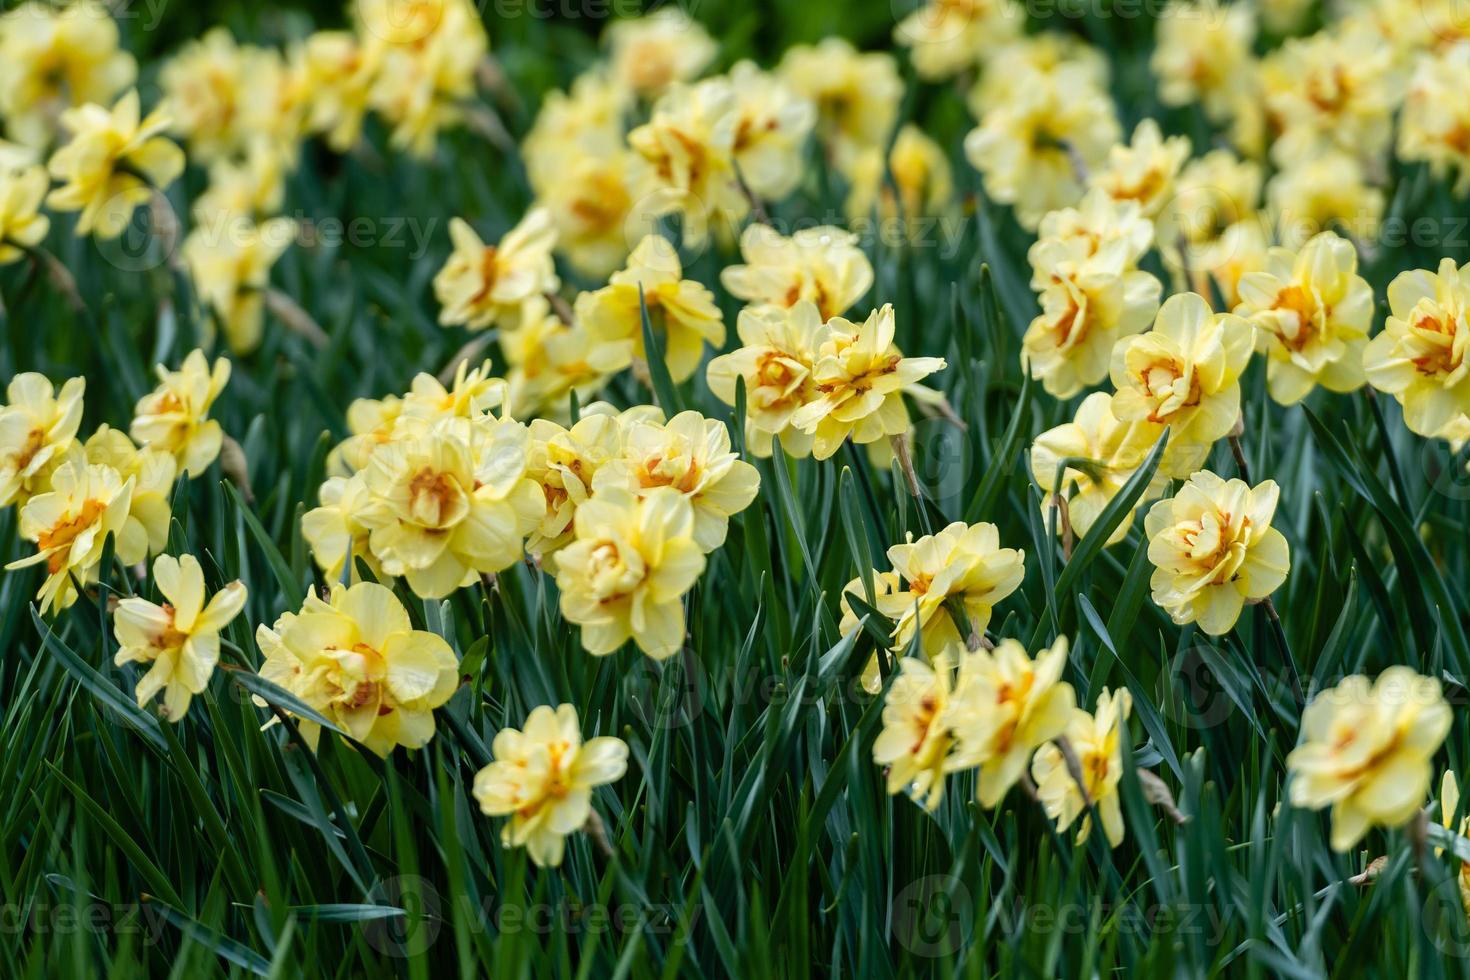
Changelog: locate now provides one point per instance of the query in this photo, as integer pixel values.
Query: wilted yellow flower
(425, 55)
(22, 225)
(543, 777)
(1184, 374)
(775, 360)
(648, 54)
(946, 37)
(451, 504)
(860, 376)
(69, 525)
(920, 170)
(1366, 751)
(179, 640)
(916, 744)
(1035, 148)
(1419, 358)
(152, 471)
(231, 267)
(857, 93)
(564, 462)
(1114, 451)
(1144, 171)
(1090, 302)
(334, 529)
(549, 360)
(961, 563)
(1096, 740)
(1312, 313)
(685, 158)
(357, 659)
(1097, 222)
(1005, 706)
(53, 58)
(1213, 549)
(682, 312)
(174, 417)
(339, 76)
(484, 285)
(37, 426)
(1326, 190)
(771, 126)
(625, 574)
(114, 162)
(691, 454)
(823, 265)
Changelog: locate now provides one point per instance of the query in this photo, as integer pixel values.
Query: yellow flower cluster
(73, 495)
(437, 489)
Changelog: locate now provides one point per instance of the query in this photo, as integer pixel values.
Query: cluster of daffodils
(74, 495)
(1008, 718)
(437, 489)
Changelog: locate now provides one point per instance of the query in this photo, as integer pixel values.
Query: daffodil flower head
(915, 745)
(179, 639)
(822, 265)
(22, 224)
(1095, 741)
(542, 778)
(174, 417)
(776, 359)
(485, 285)
(37, 426)
(1213, 550)
(1420, 357)
(1366, 751)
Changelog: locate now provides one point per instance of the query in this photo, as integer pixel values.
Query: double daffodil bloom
(174, 417)
(1096, 740)
(1419, 358)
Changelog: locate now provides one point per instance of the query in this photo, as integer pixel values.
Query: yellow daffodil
(1312, 313)
(37, 426)
(859, 376)
(1145, 170)
(1090, 302)
(174, 417)
(564, 462)
(358, 661)
(920, 172)
(1324, 191)
(1096, 223)
(772, 123)
(946, 37)
(1211, 194)
(178, 640)
(625, 574)
(1202, 48)
(69, 525)
(1035, 148)
(451, 504)
(549, 360)
(114, 162)
(591, 205)
(1213, 550)
(775, 360)
(684, 158)
(231, 267)
(1222, 263)
(883, 584)
(472, 393)
(823, 265)
(682, 312)
(485, 285)
(1366, 751)
(1005, 706)
(857, 93)
(22, 225)
(1334, 90)
(1184, 374)
(339, 77)
(334, 529)
(426, 54)
(1017, 65)
(916, 744)
(1435, 122)
(1113, 450)
(153, 473)
(1419, 358)
(1096, 741)
(1449, 804)
(542, 779)
(203, 88)
(242, 191)
(371, 422)
(691, 454)
(963, 564)
(53, 58)
(648, 54)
